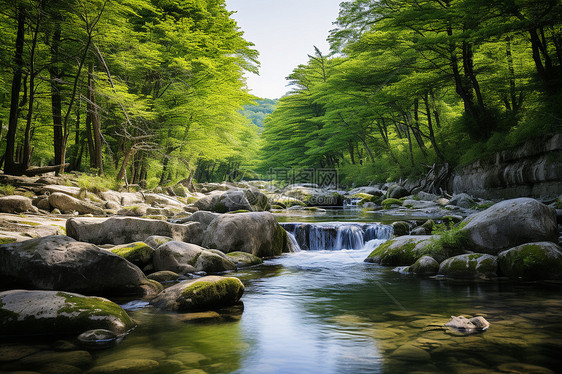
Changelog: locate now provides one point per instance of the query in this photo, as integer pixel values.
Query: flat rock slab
(124, 230)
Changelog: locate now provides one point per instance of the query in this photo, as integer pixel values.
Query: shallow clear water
(329, 312)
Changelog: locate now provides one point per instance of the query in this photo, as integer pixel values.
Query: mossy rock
(475, 265)
(401, 251)
(401, 228)
(239, 211)
(205, 293)
(533, 261)
(58, 313)
(388, 203)
(425, 265)
(165, 276)
(243, 259)
(138, 253)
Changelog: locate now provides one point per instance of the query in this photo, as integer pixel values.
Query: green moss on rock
(533, 261)
(475, 265)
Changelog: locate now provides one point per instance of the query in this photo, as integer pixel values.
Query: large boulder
(462, 200)
(232, 200)
(57, 188)
(255, 233)
(184, 258)
(532, 261)
(475, 265)
(509, 224)
(62, 263)
(123, 230)
(58, 313)
(16, 204)
(67, 203)
(205, 293)
(162, 200)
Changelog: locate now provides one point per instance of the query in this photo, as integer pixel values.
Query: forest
(153, 91)
(136, 90)
(409, 84)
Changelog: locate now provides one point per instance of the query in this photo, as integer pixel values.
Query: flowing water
(326, 311)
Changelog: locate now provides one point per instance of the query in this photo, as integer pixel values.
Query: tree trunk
(56, 101)
(431, 132)
(123, 170)
(89, 116)
(10, 166)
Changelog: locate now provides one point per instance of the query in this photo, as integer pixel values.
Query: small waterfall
(293, 244)
(351, 202)
(336, 235)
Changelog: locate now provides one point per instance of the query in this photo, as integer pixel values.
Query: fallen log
(45, 169)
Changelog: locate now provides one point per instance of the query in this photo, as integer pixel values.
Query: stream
(327, 311)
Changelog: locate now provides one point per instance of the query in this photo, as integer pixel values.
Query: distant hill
(257, 113)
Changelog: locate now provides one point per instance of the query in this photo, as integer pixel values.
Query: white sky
(284, 32)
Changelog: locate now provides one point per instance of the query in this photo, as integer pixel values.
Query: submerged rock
(510, 223)
(58, 313)
(98, 338)
(205, 293)
(125, 365)
(466, 325)
(255, 233)
(532, 261)
(475, 265)
(62, 263)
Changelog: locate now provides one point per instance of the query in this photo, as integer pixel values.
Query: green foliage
(7, 189)
(97, 184)
(417, 83)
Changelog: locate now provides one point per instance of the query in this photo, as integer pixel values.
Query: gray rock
(43, 204)
(419, 204)
(68, 190)
(58, 313)
(185, 258)
(131, 198)
(425, 265)
(476, 265)
(139, 253)
(123, 230)
(113, 197)
(232, 200)
(162, 200)
(314, 196)
(201, 294)
(67, 203)
(243, 259)
(468, 325)
(424, 196)
(532, 261)
(138, 210)
(62, 263)
(509, 224)
(462, 200)
(165, 276)
(396, 191)
(255, 233)
(156, 241)
(16, 204)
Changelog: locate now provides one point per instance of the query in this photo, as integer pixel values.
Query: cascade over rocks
(124, 230)
(256, 233)
(510, 223)
(62, 263)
